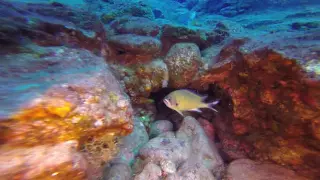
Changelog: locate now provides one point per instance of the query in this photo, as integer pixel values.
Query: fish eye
(177, 104)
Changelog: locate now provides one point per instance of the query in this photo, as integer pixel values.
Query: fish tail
(212, 104)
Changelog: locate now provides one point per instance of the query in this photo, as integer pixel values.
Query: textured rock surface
(159, 127)
(172, 34)
(245, 169)
(130, 145)
(135, 25)
(63, 94)
(142, 79)
(275, 106)
(47, 24)
(130, 48)
(189, 151)
(35, 162)
(183, 62)
(119, 171)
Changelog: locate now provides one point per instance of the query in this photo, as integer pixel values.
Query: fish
(185, 100)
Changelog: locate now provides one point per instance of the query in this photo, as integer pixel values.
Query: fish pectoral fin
(196, 110)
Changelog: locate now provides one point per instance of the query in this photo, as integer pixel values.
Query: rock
(131, 144)
(118, 171)
(135, 25)
(193, 171)
(142, 79)
(250, 132)
(208, 128)
(183, 62)
(130, 48)
(57, 94)
(172, 34)
(245, 169)
(47, 25)
(305, 25)
(231, 8)
(189, 151)
(146, 113)
(161, 148)
(113, 9)
(203, 150)
(168, 167)
(159, 127)
(32, 162)
(151, 171)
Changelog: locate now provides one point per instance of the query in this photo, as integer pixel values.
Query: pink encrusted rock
(207, 127)
(33, 161)
(245, 169)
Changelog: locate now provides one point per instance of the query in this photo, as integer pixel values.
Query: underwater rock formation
(174, 156)
(112, 9)
(172, 34)
(275, 107)
(57, 95)
(48, 25)
(130, 145)
(135, 25)
(246, 169)
(142, 79)
(160, 126)
(183, 62)
(131, 49)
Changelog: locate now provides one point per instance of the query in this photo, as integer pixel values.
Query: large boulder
(143, 78)
(204, 38)
(135, 25)
(183, 62)
(53, 95)
(131, 49)
(246, 169)
(274, 99)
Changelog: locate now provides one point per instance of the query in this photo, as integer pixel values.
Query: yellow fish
(185, 100)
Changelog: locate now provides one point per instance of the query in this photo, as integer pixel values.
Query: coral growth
(77, 107)
(275, 105)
